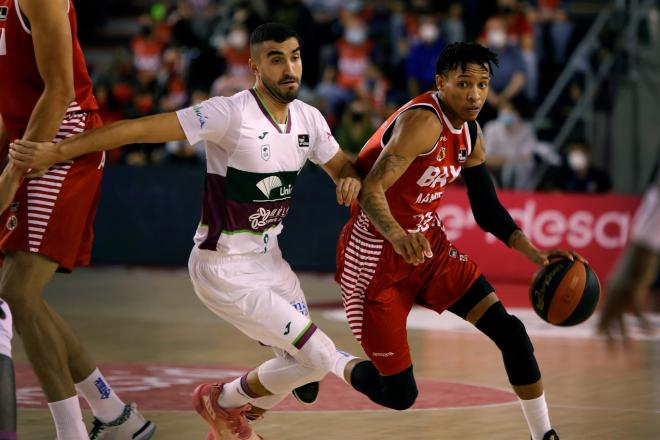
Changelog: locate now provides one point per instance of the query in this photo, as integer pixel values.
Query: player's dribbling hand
(34, 155)
(543, 258)
(414, 248)
(348, 189)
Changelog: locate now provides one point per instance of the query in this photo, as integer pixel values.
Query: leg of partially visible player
(58, 358)
(24, 277)
(7, 384)
(481, 307)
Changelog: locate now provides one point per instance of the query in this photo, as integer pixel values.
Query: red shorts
(53, 215)
(379, 288)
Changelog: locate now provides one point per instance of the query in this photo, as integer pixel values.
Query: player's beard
(284, 97)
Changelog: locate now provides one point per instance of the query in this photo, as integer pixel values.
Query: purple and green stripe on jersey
(245, 202)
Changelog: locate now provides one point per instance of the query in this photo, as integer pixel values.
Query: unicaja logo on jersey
(268, 184)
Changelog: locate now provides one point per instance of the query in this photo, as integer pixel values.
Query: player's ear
(439, 82)
(254, 68)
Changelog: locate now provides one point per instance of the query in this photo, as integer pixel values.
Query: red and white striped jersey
(21, 84)
(414, 198)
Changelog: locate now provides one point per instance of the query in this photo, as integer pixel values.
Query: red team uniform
(378, 287)
(52, 215)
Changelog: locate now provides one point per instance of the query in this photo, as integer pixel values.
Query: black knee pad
(510, 336)
(365, 378)
(398, 391)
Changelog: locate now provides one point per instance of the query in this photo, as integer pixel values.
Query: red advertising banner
(595, 226)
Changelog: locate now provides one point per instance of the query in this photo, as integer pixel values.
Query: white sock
(68, 419)
(268, 402)
(536, 413)
(105, 404)
(233, 395)
(341, 361)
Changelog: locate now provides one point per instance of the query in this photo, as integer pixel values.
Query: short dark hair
(461, 54)
(277, 32)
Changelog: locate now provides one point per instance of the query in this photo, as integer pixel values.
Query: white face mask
(496, 38)
(237, 39)
(507, 117)
(578, 161)
(355, 35)
(428, 32)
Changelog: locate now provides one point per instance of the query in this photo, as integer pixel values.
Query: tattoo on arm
(374, 201)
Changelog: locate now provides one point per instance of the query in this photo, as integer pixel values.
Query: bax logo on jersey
(265, 152)
(4, 10)
(462, 154)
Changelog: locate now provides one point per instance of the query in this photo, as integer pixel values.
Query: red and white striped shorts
(54, 215)
(379, 289)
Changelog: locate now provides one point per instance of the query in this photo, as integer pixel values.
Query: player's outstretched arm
(346, 177)
(149, 129)
(415, 132)
(492, 217)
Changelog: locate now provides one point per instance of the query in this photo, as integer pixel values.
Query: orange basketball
(565, 292)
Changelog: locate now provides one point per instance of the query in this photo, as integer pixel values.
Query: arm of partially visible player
(415, 132)
(149, 129)
(4, 143)
(343, 173)
(489, 213)
(51, 36)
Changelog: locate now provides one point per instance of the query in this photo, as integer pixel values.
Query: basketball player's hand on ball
(34, 155)
(543, 258)
(348, 189)
(414, 248)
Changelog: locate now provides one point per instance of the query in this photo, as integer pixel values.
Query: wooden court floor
(136, 320)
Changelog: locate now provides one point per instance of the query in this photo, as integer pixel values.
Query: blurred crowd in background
(362, 60)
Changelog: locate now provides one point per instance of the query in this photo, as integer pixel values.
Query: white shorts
(646, 225)
(257, 293)
(5, 330)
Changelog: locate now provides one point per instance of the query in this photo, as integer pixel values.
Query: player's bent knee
(317, 353)
(400, 390)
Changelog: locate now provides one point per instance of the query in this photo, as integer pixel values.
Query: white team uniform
(236, 266)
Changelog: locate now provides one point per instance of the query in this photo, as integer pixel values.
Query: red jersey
(20, 82)
(414, 198)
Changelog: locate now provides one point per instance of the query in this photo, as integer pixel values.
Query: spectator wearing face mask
(420, 62)
(351, 71)
(577, 173)
(508, 80)
(511, 143)
(236, 53)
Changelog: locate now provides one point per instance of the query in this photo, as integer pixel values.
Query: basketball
(565, 292)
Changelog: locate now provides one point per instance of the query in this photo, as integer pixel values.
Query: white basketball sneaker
(130, 425)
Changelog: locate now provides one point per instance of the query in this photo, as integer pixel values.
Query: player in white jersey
(256, 143)
(636, 269)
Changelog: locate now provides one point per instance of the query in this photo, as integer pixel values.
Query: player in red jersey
(393, 252)
(46, 94)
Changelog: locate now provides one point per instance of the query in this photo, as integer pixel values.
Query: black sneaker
(306, 394)
(551, 435)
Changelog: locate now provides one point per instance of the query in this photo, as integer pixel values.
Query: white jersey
(251, 167)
